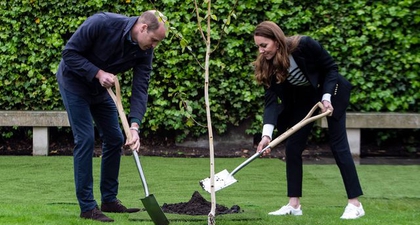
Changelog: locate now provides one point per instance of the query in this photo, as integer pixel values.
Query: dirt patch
(198, 205)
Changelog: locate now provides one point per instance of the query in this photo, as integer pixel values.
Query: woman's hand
(327, 106)
(265, 140)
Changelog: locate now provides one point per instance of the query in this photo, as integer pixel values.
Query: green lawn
(40, 190)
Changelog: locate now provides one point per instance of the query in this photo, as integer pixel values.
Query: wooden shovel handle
(117, 99)
(282, 137)
(124, 121)
(303, 122)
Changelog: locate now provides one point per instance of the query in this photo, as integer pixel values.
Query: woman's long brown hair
(278, 65)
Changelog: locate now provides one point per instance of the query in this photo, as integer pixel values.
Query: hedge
(375, 44)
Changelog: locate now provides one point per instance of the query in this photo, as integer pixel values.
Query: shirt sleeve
(326, 97)
(268, 130)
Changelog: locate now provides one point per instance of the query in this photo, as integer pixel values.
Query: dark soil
(197, 205)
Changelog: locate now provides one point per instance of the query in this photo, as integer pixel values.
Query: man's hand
(134, 143)
(105, 79)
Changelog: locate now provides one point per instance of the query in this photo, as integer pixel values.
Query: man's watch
(136, 129)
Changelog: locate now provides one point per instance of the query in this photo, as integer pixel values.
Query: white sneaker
(287, 210)
(353, 212)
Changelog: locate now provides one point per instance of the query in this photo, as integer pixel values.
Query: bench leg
(354, 141)
(40, 141)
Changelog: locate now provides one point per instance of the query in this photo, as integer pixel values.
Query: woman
(296, 73)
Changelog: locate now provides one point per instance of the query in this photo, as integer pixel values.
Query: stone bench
(40, 121)
(356, 121)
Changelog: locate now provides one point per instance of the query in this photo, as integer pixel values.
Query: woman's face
(266, 47)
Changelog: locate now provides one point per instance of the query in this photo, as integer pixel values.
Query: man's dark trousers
(82, 111)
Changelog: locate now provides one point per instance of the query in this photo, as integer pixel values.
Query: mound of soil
(198, 205)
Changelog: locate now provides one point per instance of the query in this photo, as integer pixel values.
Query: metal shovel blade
(154, 210)
(149, 202)
(221, 180)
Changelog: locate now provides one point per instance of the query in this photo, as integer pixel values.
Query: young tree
(207, 39)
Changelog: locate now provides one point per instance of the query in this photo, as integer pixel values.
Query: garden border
(40, 121)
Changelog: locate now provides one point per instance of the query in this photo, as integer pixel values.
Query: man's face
(148, 39)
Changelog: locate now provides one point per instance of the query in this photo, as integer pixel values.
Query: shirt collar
(130, 39)
(128, 27)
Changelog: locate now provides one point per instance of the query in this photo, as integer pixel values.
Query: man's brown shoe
(117, 207)
(95, 214)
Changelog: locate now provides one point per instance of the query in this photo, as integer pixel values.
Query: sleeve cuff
(326, 97)
(135, 120)
(268, 130)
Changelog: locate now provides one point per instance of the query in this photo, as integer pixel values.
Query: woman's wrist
(269, 138)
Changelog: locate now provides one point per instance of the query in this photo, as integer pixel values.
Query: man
(104, 45)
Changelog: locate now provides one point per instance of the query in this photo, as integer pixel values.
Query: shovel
(224, 178)
(152, 206)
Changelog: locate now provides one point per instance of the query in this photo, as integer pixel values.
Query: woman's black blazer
(321, 71)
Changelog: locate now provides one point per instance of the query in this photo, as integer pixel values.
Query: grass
(40, 190)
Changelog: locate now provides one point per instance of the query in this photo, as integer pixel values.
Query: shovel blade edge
(154, 210)
(221, 180)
